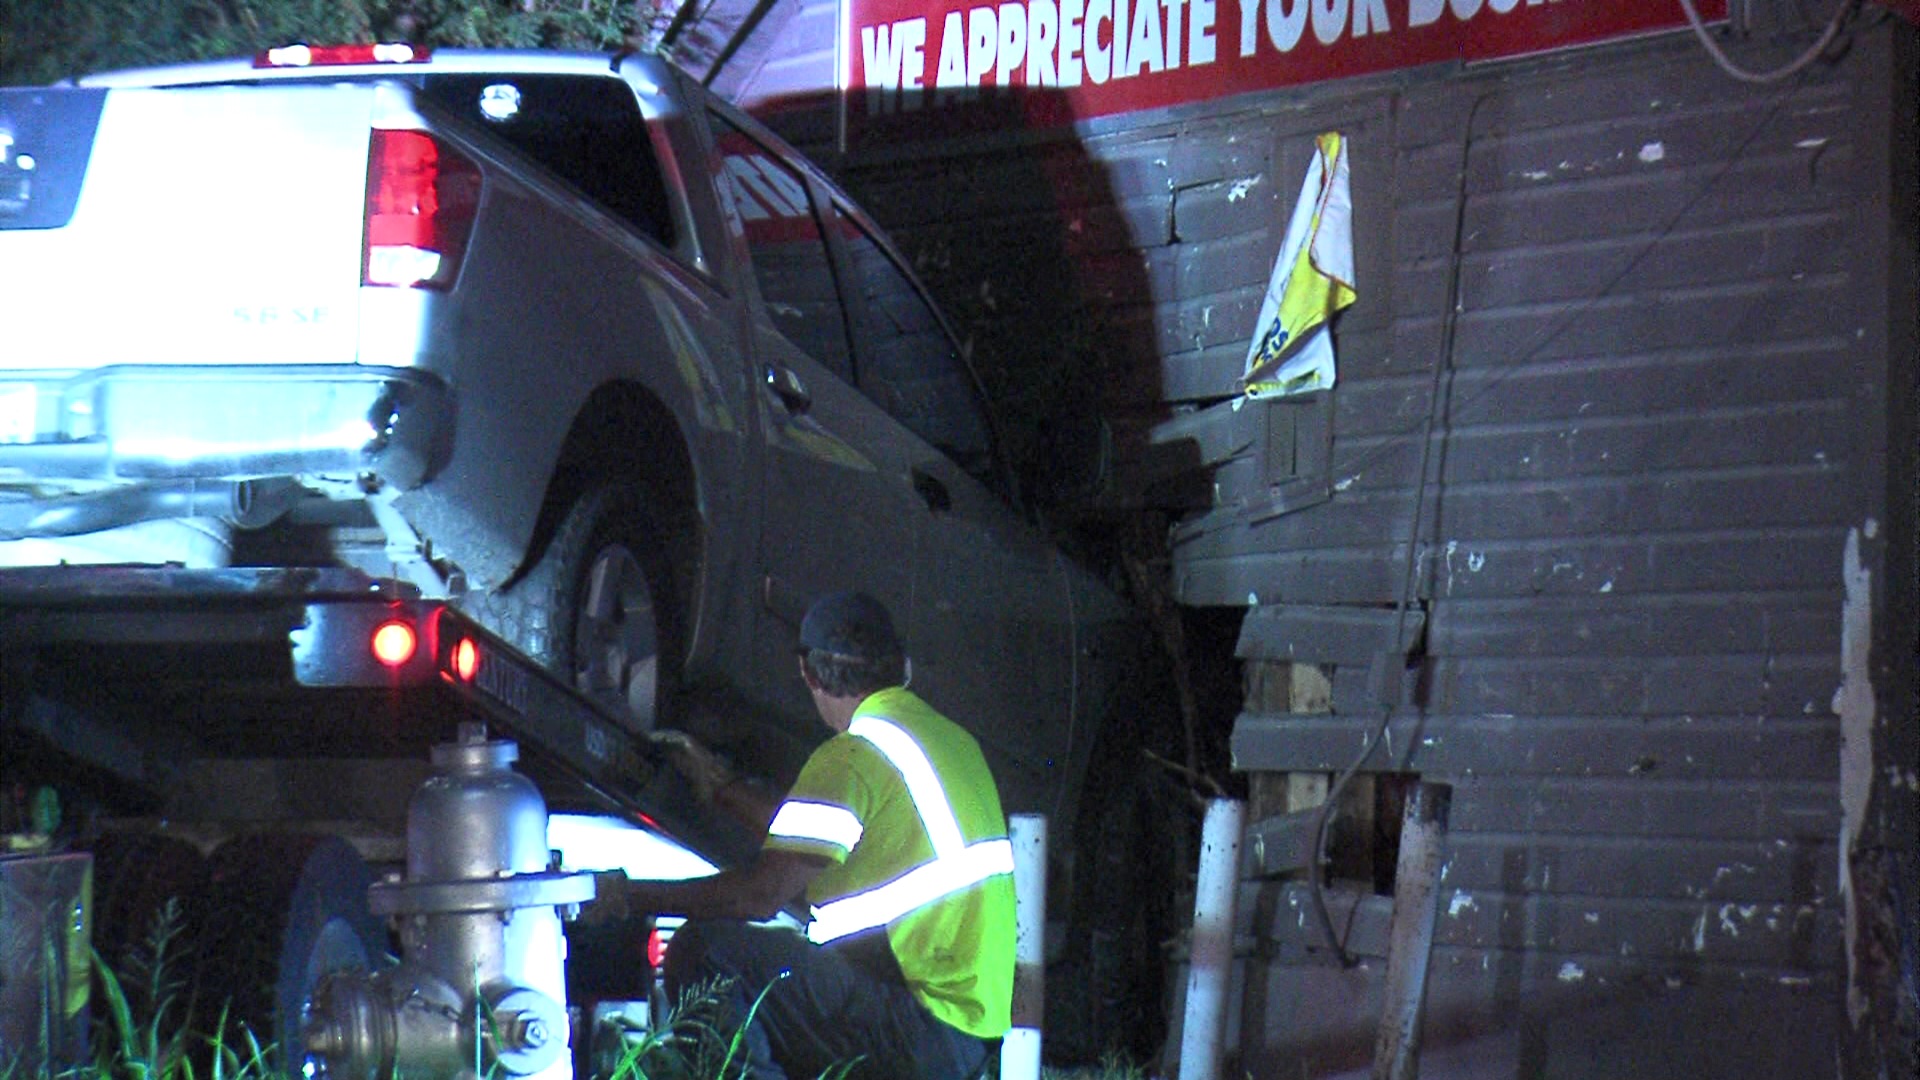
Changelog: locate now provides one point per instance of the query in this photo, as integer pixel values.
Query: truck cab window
(908, 364)
(789, 254)
(589, 131)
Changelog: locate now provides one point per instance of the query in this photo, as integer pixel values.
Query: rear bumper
(141, 423)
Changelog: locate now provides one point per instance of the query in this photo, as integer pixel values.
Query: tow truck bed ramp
(140, 669)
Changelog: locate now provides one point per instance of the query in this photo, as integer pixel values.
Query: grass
(690, 1043)
(690, 1046)
(150, 1031)
(1112, 1069)
(150, 1027)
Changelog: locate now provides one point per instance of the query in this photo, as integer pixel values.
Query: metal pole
(1020, 1050)
(1205, 1026)
(1416, 894)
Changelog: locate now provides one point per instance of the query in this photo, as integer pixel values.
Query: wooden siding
(1645, 469)
(1646, 465)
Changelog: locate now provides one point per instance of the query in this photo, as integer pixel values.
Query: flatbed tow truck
(252, 749)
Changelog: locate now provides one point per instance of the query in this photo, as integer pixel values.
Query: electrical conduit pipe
(1020, 1050)
(1204, 1028)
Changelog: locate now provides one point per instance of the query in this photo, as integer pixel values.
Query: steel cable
(1790, 69)
(1442, 367)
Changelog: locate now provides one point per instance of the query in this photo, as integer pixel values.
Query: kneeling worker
(894, 833)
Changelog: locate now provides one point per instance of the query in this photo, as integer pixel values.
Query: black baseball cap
(852, 625)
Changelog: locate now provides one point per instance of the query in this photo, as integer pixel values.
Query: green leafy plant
(688, 1044)
(1111, 1067)
(150, 1011)
(149, 1031)
(692, 1043)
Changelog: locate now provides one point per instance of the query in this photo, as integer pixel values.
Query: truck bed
(255, 688)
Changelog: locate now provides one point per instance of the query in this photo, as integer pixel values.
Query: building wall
(1651, 495)
(1650, 332)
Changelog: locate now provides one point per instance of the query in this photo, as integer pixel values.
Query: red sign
(1083, 58)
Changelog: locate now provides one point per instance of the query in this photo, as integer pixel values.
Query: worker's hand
(705, 772)
(609, 903)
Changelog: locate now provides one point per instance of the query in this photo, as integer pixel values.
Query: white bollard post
(1205, 1026)
(1020, 1050)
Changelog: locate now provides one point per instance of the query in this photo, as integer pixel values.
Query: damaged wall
(1646, 562)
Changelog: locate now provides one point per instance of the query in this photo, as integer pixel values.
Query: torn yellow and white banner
(1292, 347)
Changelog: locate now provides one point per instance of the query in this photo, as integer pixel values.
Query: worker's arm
(757, 890)
(749, 802)
(746, 800)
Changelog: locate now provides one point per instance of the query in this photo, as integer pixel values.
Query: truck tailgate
(209, 225)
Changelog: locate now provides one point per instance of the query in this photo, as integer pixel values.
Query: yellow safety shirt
(905, 806)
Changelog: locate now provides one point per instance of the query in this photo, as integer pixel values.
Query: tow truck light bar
(300, 56)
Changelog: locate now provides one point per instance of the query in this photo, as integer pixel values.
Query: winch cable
(1384, 675)
(1786, 71)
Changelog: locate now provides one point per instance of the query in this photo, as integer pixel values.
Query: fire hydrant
(481, 989)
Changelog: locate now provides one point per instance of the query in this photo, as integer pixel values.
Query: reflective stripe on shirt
(955, 866)
(923, 784)
(914, 889)
(817, 821)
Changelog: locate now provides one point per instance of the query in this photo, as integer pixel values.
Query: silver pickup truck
(561, 337)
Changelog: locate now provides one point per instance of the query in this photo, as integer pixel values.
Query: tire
(145, 884)
(606, 592)
(606, 962)
(1107, 995)
(281, 912)
(609, 626)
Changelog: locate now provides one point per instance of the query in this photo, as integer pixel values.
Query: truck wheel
(1106, 995)
(282, 911)
(145, 886)
(604, 578)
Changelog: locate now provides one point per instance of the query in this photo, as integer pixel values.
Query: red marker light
(394, 643)
(656, 949)
(466, 660)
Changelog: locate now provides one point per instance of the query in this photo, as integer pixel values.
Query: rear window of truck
(588, 130)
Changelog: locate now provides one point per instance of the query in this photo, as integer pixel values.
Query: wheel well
(625, 432)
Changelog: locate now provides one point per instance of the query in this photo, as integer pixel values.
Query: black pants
(826, 1005)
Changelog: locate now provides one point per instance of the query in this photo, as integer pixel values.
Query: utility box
(46, 961)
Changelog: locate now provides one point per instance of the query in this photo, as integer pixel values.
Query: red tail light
(394, 643)
(656, 949)
(465, 661)
(422, 196)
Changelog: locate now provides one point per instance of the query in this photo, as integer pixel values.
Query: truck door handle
(786, 386)
(932, 491)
